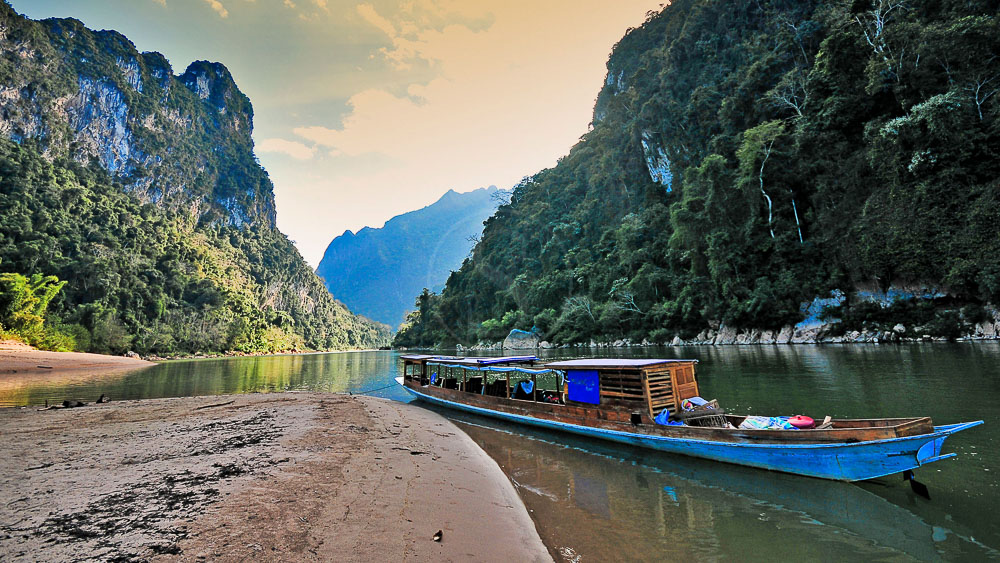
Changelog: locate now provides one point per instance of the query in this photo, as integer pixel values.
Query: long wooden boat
(620, 400)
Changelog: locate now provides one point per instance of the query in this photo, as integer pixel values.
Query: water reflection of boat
(607, 498)
(620, 399)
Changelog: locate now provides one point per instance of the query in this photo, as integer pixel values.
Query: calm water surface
(598, 502)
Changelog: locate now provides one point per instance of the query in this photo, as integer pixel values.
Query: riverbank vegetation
(147, 279)
(746, 157)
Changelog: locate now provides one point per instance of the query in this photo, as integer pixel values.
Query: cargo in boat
(628, 401)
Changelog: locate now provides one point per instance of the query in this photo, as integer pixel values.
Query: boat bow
(931, 451)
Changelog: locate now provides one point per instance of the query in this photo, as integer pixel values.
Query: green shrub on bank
(23, 305)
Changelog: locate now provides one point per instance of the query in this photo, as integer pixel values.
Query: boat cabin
(415, 367)
(648, 385)
(639, 389)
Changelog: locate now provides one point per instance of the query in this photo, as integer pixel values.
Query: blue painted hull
(838, 461)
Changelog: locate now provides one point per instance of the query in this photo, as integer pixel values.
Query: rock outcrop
(521, 340)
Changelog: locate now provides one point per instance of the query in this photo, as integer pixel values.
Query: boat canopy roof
(484, 361)
(613, 363)
(421, 357)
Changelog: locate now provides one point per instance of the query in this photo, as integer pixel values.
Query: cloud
(368, 13)
(471, 94)
(290, 4)
(512, 91)
(293, 149)
(218, 7)
(161, 2)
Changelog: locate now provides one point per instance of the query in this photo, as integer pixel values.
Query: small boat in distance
(654, 403)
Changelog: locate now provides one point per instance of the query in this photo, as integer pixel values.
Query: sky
(364, 110)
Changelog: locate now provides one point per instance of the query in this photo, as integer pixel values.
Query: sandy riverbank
(284, 476)
(23, 360)
(22, 367)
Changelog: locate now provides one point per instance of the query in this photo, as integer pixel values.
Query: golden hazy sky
(365, 110)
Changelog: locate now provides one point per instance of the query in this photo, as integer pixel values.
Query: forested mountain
(141, 190)
(376, 272)
(746, 157)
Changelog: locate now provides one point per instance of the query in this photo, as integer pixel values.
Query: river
(596, 502)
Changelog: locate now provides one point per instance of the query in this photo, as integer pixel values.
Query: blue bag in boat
(663, 419)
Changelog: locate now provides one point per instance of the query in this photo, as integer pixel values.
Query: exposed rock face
(179, 141)
(726, 335)
(521, 340)
(657, 162)
(99, 116)
(785, 336)
(987, 329)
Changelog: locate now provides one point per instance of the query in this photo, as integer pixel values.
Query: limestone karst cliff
(180, 141)
(140, 188)
(747, 157)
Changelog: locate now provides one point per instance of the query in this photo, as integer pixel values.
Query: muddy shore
(281, 477)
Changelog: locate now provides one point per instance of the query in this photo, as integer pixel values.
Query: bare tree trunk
(873, 23)
(981, 91)
(767, 154)
(796, 212)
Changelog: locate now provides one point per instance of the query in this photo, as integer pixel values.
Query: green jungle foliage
(23, 303)
(798, 147)
(147, 279)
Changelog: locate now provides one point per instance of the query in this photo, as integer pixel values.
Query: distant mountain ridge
(377, 271)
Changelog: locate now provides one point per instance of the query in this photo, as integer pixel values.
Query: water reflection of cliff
(594, 502)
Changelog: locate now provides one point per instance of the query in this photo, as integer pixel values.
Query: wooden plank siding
(666, 386)
(659, 391)
(625, 385)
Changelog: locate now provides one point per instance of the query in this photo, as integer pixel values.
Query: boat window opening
(491, 377)
(413, 371)
(521, 386)
(474, 385)
(549, 387)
